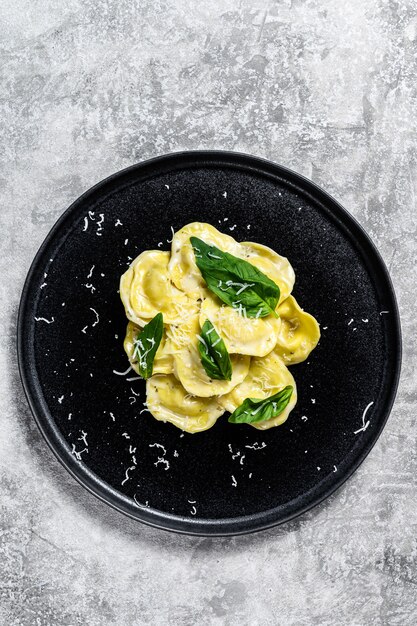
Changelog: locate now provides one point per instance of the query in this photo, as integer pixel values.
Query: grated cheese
(97, 317)
(127, 477)
(99, 224)
(162, 461)
(123, 373)
(364, 424)
(256, 446)
(43, 319)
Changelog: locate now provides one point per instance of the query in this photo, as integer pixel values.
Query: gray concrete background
(327, 88)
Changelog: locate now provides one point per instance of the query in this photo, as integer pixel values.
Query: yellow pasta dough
(146, 289)
(243, 335)
(182, 267)
(299, 333)
(266, 376)
(168, 401)
(163, 363)
(276, 267)
(184, 387)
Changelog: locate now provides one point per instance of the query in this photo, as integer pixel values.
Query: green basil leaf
(236, 282)
(147, 343)
(254, 410)
(213, 353)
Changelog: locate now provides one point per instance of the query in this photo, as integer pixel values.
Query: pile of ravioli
(179, 390)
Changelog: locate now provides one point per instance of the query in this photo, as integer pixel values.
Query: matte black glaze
(215, 482)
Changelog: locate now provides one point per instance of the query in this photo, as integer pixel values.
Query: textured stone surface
(326, 88)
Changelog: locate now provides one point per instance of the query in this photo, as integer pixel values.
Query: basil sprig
(236, 282)
(213, 353)
(254, 410)
(147, 343)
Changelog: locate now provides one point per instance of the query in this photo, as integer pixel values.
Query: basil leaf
(236, 282)
(147, 343)
(213, 353)
(254, 410)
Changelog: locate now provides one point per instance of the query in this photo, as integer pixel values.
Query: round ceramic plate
(230, 479)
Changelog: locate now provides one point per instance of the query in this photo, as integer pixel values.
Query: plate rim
(100, 488)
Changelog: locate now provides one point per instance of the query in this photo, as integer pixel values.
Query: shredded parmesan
(162, 461)
(213, 256)
(99, 225)
(123, 373)
(202, 341)
(97, 317)
(43, 319)
(127, 477)
(256, 446)
(83, 438)
(158, 445)
(173, 233)
(364, 424)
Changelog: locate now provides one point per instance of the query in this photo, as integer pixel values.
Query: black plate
(230, 479)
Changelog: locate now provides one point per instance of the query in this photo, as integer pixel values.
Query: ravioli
(193, 377)
(258, 349)
(146, 289)
(275, 266)
(187, 363)
(266, 376)
(182, 267)
(163, 363)
(299, 333)
(168, 401)
(242, 335)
